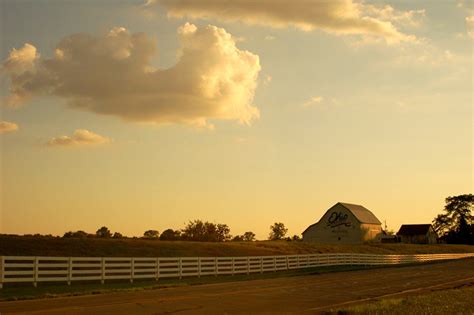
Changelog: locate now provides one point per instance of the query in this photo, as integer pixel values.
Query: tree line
(196, 231)
(456, 224)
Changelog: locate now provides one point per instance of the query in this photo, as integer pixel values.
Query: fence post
(199, 267)
(69, 271)
(287, 263)
(215, 267)
(157, 274)
(248, 265)
(274, 264)
(102, 268)
(180, 268)
(132, 269)
(298, 261)
(233, 266)
(35, 272)
(2, 270)
(261, 264)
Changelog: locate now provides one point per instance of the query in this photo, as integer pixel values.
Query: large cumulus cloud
(334, 16)
(112, 75)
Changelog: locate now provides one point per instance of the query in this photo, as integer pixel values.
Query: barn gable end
(344, 223)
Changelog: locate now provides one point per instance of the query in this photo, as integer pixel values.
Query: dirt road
(306, 294)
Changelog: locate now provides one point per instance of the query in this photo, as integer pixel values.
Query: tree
(223, 233)
(151, 234)
(249, 236)
(77, 234)
(170, 235)
(454, 225)
(117, 235)
(296, 238)
(103, 232)
(194, 231)
(277, 231)
(238, 238)
(200, 231)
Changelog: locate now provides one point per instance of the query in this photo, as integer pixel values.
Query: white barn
(345, 223)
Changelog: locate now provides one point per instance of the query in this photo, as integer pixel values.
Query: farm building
(388, 238)
(417, 234)
(345, 223)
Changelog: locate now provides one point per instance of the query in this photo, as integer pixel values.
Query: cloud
(315, 100)
(341, 17)
(413, 18)
(112, 75)
(470, 25)
(425, 55)
(21, 60)
(240, 140)
(18, 63)
(267, 80)
(80, 137)
(6, 127)
(270, 37)
(463, 4)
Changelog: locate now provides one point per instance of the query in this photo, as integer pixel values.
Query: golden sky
(145, 115)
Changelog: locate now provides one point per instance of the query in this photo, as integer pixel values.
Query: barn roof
(414, 229)
(362, 214)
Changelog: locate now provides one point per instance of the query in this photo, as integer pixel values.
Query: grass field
(51, 290)
(31, 246)
(453, 301)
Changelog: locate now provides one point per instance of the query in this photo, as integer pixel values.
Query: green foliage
(451, 301)
(248, 236)
(223, 233)
(238, 238)
(170, 235)
(151, 234)
(455, 224)
(200, 231)
(77, 234)
(296, 238)
(277, 231)
(103, 232)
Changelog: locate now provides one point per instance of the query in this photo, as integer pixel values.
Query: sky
(143, 115)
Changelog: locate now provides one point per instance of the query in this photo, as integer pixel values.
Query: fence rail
(16, 269)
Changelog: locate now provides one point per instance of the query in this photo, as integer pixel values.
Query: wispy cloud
(7, 127)
(80, 137)
(240, 140)
(341, 17)
(470, 25)
(267, 79)
(463, 4)
(112, 75)
(313, 101)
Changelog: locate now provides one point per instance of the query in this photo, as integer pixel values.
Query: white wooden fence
(15, 269)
